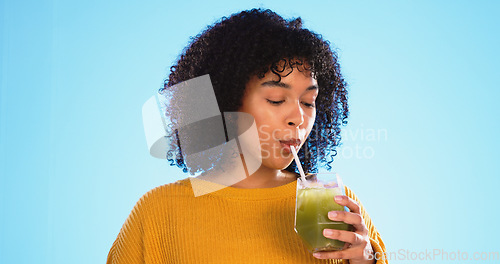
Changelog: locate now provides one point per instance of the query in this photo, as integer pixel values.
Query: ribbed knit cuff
(378, 253)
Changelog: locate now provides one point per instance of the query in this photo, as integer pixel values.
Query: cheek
(265, 132)
(264, 122)
(310, 124)
(311, 119)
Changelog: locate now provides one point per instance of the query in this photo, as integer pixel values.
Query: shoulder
(178, 188)
(166, 194)
(350, 194)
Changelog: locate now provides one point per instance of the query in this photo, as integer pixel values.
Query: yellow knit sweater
(170, 225)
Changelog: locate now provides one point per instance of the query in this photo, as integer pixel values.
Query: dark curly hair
(254, 42)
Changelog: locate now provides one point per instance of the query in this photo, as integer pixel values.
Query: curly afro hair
(254, 42)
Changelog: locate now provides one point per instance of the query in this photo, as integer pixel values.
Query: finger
(346, 245)
(347, 201)
(349, 218)
(346, 236)
(351, 253)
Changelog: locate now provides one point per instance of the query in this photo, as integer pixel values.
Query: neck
(266, 178)
(237, 177)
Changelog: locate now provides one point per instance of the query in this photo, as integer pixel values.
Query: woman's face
(284, 113)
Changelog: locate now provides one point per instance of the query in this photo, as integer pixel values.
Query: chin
(278, 164)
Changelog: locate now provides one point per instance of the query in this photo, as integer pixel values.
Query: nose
(295, 116)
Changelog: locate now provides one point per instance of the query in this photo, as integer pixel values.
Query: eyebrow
(285, 85)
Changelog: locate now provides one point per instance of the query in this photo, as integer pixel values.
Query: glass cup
(314, 200)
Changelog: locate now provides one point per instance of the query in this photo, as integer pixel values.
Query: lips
(287, 144)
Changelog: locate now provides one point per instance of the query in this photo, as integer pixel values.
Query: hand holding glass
(315, 198)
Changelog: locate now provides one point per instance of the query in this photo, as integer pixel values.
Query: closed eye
(308, 105)
(275, 102)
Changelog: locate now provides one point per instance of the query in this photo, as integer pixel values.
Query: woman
(288, 79)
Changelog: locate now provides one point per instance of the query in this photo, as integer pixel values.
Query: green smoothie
(313, 205)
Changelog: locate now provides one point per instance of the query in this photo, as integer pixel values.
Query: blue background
(420, 149)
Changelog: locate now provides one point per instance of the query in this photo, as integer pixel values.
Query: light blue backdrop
(420, 149)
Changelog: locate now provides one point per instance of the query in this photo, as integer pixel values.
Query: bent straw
(297, 161)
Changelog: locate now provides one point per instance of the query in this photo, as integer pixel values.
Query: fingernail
(327, 232)
(332, 214)
(338, 198)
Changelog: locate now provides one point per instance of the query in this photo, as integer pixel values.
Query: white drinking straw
(297, 161)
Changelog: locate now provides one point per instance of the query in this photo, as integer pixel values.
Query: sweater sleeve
(128, 247)
(375, 238)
